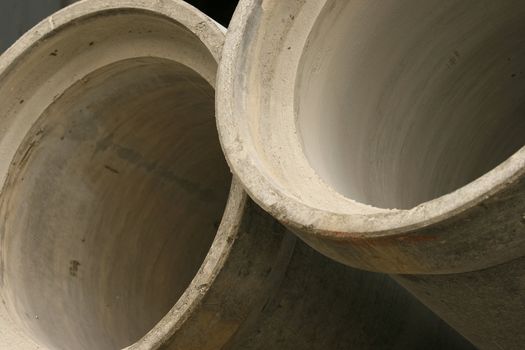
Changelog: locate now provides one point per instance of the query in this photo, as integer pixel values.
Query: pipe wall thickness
(389, 137)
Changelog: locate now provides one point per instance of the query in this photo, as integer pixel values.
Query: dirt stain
(73, 267)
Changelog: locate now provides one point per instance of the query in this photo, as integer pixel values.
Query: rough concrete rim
(211, 35)
(315, 223)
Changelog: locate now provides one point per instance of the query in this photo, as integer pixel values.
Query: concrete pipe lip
(31, 82)
(270, 50)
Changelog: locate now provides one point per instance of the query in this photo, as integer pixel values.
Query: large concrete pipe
(113, 190)
(389, 136)
(113, 181)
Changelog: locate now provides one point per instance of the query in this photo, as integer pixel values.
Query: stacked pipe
(122, 227)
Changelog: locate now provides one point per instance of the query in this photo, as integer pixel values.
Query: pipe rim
(211, 34)
(318, 225)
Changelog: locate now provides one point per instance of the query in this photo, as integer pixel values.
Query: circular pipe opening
(372, 128)
(347, 109)
(408, 101)
(116, 190)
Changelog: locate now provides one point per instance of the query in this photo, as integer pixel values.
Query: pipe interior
(114, 198)
(401, 102)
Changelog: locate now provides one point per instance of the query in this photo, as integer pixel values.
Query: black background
(219, 10)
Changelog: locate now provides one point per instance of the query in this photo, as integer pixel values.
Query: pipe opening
(118, 190)
(401, 103)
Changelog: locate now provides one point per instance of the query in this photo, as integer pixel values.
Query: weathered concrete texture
(387, 135)
(479, 302)
(251, 265)
(324, 305)
(391, 117)
(301, 300)
(113, 182)
(118, 224)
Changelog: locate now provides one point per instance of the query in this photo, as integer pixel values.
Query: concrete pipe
(113, 190)
(389, 136)
(322, 305)
(113, 182)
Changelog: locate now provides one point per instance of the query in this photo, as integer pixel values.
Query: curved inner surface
(401, 102)
(112, 203)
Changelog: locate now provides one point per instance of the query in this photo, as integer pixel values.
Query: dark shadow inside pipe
(118, 192)
(402, 102)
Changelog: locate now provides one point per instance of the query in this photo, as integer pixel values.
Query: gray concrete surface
(99, 84)
(118, 225)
